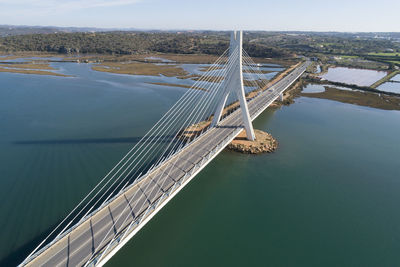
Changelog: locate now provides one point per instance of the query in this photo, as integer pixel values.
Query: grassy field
(139, 68)
(176, 58)
(31, 66)
(17, 55)
(26, 71)
(385, 54)
(388, 58)
(42, 68)
(349, 57)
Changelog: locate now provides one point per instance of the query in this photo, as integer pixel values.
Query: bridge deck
(75, 248)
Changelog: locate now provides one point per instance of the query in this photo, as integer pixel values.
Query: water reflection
(313, 88)
(360, 77)
(396, 78)
(393, 87)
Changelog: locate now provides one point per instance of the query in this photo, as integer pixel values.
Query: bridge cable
(144, 190)
(165, 115)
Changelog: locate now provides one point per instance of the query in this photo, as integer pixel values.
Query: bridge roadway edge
(142, 224)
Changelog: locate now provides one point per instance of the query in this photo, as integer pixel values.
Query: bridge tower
(233, 83)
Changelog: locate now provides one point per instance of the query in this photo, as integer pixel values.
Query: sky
(278, 15)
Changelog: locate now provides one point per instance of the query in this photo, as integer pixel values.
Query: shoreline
(33, 67)
(354, 97)
(153, 64)
(38, 64)
(358, 98)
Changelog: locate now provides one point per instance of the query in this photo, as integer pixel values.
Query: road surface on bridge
(93, 233)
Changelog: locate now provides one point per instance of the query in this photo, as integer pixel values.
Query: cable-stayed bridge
(222, 102)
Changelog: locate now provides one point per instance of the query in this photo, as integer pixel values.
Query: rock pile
(264, 143)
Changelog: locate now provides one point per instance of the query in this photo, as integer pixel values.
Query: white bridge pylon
(233, 83)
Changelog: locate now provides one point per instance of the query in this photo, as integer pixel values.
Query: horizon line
(185, 29)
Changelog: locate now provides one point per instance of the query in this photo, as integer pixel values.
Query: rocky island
(264, 143)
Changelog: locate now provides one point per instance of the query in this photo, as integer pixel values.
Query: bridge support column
(220, 109)
(233, 83)
(281, 97)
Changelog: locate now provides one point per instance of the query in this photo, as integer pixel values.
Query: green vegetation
(127, 43)
(30, 71)
(392, 59)
(128, 52)
(42, 68)
(353, 50)
(385, 54)
(358, 98)
(355, 62)
(344, 49)
(308, 43)
(138, 68)
(32, 66)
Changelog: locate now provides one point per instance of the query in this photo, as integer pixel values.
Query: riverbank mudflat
(264, 143)
(359, 98)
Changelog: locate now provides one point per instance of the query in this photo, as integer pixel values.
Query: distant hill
(68, 40)
(10, 30)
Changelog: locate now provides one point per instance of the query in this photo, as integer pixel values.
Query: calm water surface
(59, 136)
(359, 77)
(396, 78)
(313, 88)
(319, 88)
(390, 87)
(328, 197)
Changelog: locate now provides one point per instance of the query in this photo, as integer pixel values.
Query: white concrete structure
(233, 83)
